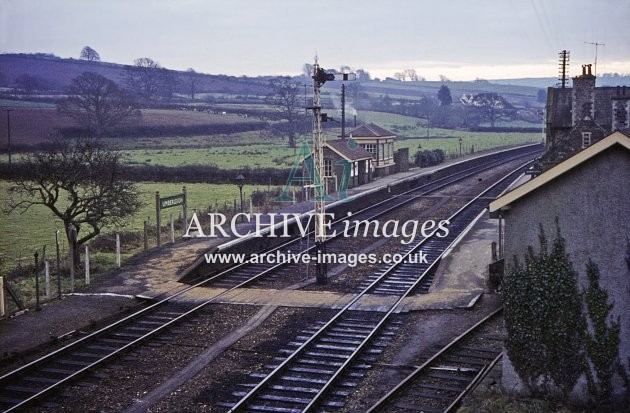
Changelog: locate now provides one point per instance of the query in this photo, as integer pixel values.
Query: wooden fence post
(185, 208)
(117, 251)
(157, 218)
(87, 265)
(146, 235)
(47, 279)
(172, 230)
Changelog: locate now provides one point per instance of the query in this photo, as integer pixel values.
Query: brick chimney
(583, 105)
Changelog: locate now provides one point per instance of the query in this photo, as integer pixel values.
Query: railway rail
(315, 374)
(46, 374)
(244, 274)
(440, 383)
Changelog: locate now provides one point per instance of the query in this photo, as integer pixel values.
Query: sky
(459, 39)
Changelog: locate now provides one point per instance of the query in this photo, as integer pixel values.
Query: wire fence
(26, 283)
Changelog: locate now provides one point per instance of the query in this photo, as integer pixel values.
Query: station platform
(156, 272)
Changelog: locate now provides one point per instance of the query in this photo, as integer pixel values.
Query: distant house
(589, 193)
(581, 115)
(380, 143)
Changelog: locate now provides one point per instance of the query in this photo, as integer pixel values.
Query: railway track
(49, 373)
(440, 383)
(317, 375)
(246, 274)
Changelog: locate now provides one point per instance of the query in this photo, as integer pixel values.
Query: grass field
(271, 155)
(33, 123)
(276, 154)
(21, 234)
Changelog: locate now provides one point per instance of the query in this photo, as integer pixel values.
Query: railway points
(180, 306)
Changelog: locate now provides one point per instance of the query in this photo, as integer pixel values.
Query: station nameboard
(172, 201)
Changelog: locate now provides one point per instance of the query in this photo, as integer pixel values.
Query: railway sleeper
(389, 290)
(38, 379)
(457, 368)
(83, 354)
(318, 362)
(285, 399)
(345, 335)
(486, 356)
(271, 409)
(453, 389)
(69, 362)
(138, 328)
(299, 379)
(105, 349)
(431, 395)
(61, 372)
(418, 408)
(347, 330)
(358, 326)
(479, 350)
(332, 347)
(452, 377)
(22, 389)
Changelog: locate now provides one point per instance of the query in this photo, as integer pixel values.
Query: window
(371, 148)
(586, 139)
(328, 169)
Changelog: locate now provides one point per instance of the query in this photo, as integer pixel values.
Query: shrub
(543, 319)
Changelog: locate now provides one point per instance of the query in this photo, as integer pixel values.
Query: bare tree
(307, 70)
(97, 103)
(81, 184)
(490, 106)
(285, 98)
(191, 82)
(363, 75)
(26, 83)
(144, 77)
(345, 69)
(90, 54)
(411, 74)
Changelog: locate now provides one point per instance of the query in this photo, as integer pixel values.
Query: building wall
(591, 203)
(583, 105)
(361, 178)
(620, 107)
(562, 107)
(401, 158)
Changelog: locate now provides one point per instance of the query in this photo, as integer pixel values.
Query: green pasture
(22, 233)
(276, 154)
(6, 103)
(272, 155)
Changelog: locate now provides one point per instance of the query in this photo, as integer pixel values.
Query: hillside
(57, 73)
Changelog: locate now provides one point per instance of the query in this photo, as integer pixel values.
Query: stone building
(581, 115)
(359, 160)
(589, 195)
(380, 143)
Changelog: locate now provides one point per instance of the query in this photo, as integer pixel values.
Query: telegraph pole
(596, 46)
(343, 111)
(564, 66)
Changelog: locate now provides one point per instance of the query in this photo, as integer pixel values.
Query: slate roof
(370, 130)
(616, 138)
(343, 148)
